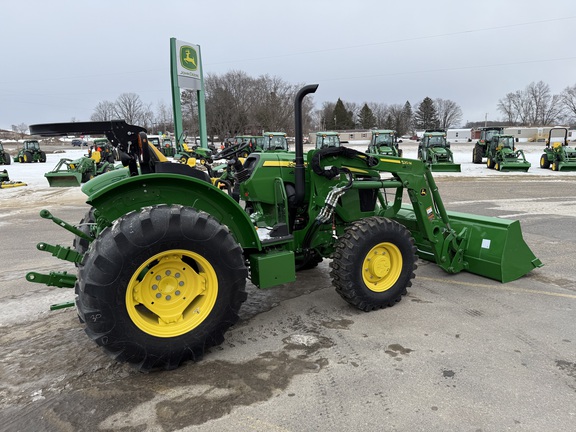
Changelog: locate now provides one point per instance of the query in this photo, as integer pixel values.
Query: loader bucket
(514, 166)
(63, 178)
(493, 247)
(445, 167)
(567, 166)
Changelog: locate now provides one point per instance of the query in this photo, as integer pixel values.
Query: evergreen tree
(342, 118)
(407, 119)
(366, 118)
(426, 116)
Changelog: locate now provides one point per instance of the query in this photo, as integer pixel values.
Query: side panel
(119, 197)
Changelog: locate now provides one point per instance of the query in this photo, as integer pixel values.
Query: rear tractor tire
(28, 157)
(374, 263)
(544, 162)
(477, 154)
(160, 286)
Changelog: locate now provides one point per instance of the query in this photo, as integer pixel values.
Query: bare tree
(164, 119)
(568, 101)
(22, 129)
(380, 111)
(535, 105)
(130, 107)
(104, 111)
(449, 113)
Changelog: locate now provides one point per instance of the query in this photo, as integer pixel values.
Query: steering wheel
(231, 151)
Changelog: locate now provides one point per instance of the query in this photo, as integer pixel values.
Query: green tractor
(557, 154)
(255, 143)
(434, 150)
(481, 147)
(4, 156)
(68, 172)
(384, 142)
(501, 155)
(30, 152)
(163, 255)
(274, 142)
(327, 139)
(168, 147)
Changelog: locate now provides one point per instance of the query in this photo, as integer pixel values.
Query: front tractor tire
(160, 286)
(374, 263)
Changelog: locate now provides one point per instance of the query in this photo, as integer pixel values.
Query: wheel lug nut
(177, 275)
(181, 283)
(158, 277)
(154, 287)
(168, 297)
(167, 272)
(177, 293)
(158, 295)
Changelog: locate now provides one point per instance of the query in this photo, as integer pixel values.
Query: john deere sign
(186, 73)
(188, 65)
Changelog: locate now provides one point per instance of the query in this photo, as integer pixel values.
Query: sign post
(186, 72)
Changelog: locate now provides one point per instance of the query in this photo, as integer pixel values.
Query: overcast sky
(59, 58)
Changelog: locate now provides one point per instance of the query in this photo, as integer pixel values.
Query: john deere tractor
(557, 154)
(434, 150)
(481, 147)
(163, 255)
(327, 139)
(30, 152)
(275, 141)
(384, 142)
(68, 172)
(4, 156)
(501, 155)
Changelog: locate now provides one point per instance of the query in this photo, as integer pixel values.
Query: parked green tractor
(163, 255)
(4, 156)
(384, 142)
(274, 142)
(68, 172)
(327, 139)
(557, 154)
(434, 150)
(502, 155)
(481, 147)
(31, 152)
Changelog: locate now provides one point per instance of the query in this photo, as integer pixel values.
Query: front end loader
(384, 142)
(502, 155)
(163, 255)
(434, 150)
(70, 173)
(557, 154)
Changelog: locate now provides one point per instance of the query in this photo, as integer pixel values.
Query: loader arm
(488, 246)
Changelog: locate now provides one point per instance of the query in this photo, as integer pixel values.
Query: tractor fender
(115, 194)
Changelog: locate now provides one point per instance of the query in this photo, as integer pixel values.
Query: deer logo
(188, 58)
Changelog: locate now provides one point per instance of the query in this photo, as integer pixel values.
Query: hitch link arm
(45, 214)
(56, 279)
(61, 252)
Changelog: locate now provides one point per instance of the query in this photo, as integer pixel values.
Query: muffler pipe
(299, 173)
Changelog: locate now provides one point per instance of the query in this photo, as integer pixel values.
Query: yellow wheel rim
(172, 293)
(382, 267)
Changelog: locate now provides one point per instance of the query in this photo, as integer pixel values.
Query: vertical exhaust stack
(299, 173)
